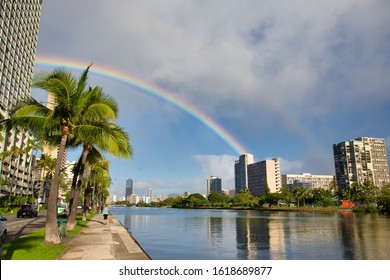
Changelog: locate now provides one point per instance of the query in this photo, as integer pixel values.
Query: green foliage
(32, 247)
(215, 197)
(272, 198)
(195, 199)
(384, 200)
(245, 199)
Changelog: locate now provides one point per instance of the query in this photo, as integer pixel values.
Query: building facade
(257, 176)
(361, 159)
(129, 189)
(241, 172)
(214, 184)
(149, 193)
(307, 180)
(19, 26)
(264, 174)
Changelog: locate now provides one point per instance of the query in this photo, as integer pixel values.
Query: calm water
(206, 234)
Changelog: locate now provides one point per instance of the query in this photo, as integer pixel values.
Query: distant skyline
(204, 81)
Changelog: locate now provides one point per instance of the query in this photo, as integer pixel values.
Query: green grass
(32, 247)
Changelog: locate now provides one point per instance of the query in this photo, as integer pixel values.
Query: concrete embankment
(100, 241)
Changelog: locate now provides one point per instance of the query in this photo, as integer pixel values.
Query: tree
(301, 194)
(245, 198)
(273, 198)
(384, 199)
(46, 164)
(216, 198)
(71, 108)
(285, 194)
(195, 199)
(97, 133)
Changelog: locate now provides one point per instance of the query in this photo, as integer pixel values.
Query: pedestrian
(105, 214)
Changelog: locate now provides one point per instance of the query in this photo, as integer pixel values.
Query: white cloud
(266, 70)
(221, 166)
(291, 166)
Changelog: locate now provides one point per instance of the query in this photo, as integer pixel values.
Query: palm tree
(99, 175)
(47, 165)
(103, 134)
(71, 109)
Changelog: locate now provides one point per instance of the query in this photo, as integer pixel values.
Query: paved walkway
(99, 241)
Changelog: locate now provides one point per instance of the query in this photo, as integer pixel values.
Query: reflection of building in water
(140, 221)
(277, 248)
(215, 231)
(252, 239)
(362, 235)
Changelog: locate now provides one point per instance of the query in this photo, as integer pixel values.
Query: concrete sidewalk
(99, 241)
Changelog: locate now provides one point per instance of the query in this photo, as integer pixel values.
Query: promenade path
(99, 241)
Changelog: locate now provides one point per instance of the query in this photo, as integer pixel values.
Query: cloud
(284, 77)
(259, 54)
(221, 166)
(291, 166)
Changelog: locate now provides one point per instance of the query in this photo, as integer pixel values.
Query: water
(208, 234)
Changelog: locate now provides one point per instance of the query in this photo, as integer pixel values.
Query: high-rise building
(257, 176)
(307, 180)
(150, 193)
(361, 159)
(241, 172)
(264, 174)
(214, 184)
(19, 25)
(129, 189)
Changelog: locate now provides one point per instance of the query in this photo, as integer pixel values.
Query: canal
(216, 234)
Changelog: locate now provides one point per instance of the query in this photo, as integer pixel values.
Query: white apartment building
(307, 180)
(264, 174)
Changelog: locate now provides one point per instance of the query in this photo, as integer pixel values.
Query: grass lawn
(32, 247)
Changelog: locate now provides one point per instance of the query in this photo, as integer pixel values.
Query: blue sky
(285, 78)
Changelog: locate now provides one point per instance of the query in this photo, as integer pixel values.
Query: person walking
(105, 214)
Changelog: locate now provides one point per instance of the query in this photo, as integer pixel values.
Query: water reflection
(251, 235)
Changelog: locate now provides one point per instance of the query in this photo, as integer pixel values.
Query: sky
(200, 82)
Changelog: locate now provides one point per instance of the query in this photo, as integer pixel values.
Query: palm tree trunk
(70, 225)
(52, 236)
(86, 202)
(78, 174)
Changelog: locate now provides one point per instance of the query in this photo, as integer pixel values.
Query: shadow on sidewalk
(98, 221)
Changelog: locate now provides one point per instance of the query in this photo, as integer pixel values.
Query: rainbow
(149, 89)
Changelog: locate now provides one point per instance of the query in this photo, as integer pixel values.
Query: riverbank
(284, 209)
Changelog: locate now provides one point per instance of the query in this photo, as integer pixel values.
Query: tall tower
(149, 193)
(19, 25)
(214, 184)
(361, 159)
(241, 172)
(129, 189)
